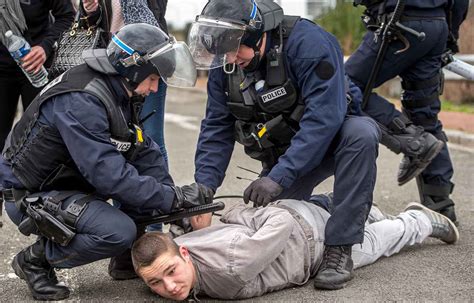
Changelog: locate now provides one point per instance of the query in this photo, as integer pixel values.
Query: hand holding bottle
(34, 60)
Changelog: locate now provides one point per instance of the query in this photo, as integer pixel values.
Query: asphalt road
(432, 271)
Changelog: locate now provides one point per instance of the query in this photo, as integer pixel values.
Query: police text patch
(274, 94)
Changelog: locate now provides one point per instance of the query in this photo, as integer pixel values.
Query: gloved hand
(262, 191)
(192, 195)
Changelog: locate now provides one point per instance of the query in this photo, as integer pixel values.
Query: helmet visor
(175, 65)
(212, 41)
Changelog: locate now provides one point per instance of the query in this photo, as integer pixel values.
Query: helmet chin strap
(130, 85)
(255, 62)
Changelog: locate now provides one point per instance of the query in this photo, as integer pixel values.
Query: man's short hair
(149, 247)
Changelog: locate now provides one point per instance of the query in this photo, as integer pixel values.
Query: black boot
(419, 147)
(121, 266)
(336, 269)
(436, 197)
(413, 164)
(31, 265)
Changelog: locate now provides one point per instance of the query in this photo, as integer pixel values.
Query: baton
(387, 33)
(189, 212)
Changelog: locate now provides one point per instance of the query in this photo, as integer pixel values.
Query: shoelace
(333, 258)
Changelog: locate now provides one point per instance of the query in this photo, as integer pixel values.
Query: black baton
(388, 31)
(185, 213)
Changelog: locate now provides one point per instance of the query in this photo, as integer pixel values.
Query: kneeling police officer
(79, 144)
(281, 92)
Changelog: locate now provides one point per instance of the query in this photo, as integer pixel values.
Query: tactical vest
(267, 110)
(43, 161)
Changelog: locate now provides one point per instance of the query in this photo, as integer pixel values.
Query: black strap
(441, 136)
(420, 84)
(399, 123)
(404, 18)
(417, 103)
(76, 207)
(438, 190)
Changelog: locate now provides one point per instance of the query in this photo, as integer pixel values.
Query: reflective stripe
(253, 14)
(122, 45)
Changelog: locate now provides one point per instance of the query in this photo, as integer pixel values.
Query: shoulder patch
(324, 70)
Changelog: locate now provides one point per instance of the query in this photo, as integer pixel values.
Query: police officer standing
(79, 144)
(277, 86)
(416, 58)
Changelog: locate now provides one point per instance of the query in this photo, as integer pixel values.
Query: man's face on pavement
(147, 86)
(171, 276)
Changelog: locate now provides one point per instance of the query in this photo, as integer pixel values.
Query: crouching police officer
(281, 92)
(417, 59)
(78, 144)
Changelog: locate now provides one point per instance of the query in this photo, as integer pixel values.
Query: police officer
(417, 133)
(79, 144)
(277, 86)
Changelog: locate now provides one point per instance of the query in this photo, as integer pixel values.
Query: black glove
(192, 195)
(262, 191)
(452, 44)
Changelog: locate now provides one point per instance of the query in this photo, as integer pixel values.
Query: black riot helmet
(139, 50)
(224, 25)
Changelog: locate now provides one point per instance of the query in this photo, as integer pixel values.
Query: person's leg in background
(398, 133)
(154, 127)
(422, 84)
(9, 96)
(12, 86)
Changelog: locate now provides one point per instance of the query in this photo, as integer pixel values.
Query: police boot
(436, 197)
(443, 228)
(336, 269)
(31, 265)
(419, 147)
(121, 266)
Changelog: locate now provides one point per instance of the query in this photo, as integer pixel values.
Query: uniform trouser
(102, 231)
(12, 86)
(422, 61)
(351, 158)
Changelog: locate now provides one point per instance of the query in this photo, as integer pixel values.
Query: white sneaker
(443, 228)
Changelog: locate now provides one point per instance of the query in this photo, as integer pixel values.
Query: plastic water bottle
(18, 48)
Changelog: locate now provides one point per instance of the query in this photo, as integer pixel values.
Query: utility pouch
(278, 99)
(241, 111)
(46, 224)
(276, 131)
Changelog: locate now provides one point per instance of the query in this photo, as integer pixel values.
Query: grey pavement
(433, 271)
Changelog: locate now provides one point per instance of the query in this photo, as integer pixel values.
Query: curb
(461, 138)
